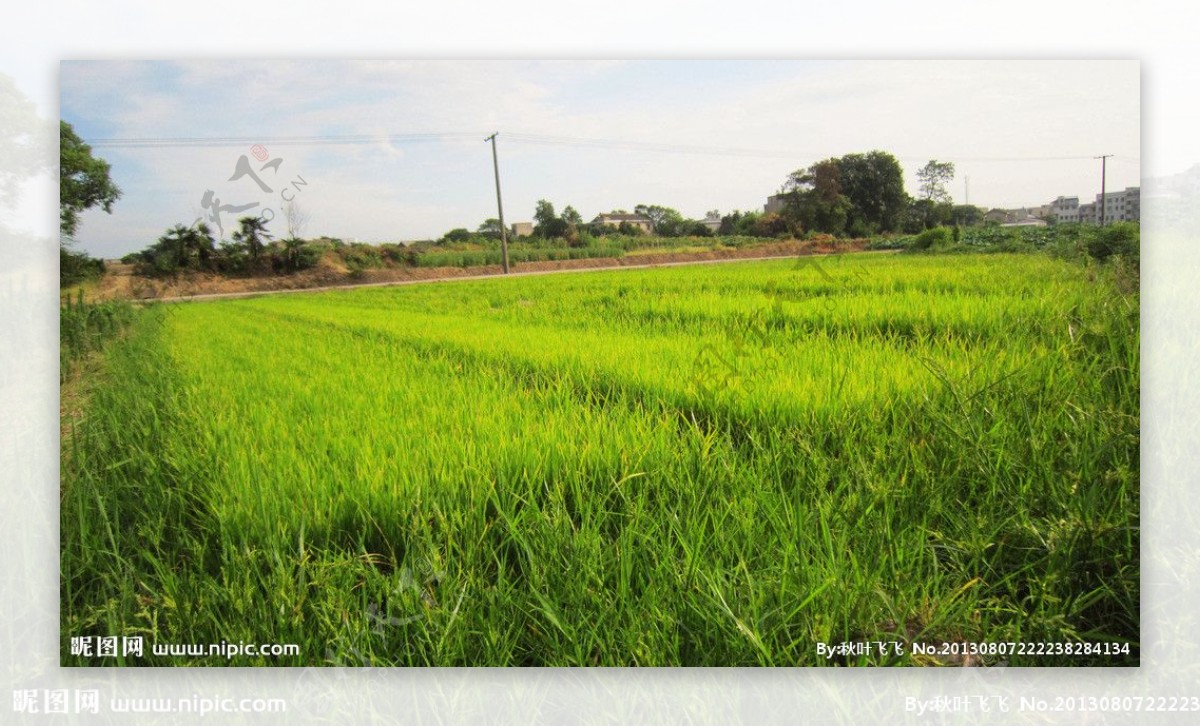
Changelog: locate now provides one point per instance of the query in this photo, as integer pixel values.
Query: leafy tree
(180, 248)
(814, 198)
(253, 234)
(544, 213)
(298, 255)
(729, 223)
(458, 234)
(747, 223)
(966, 214)
(667, 222)
(571, 217)
(925, 214)
(874, 185)
(770, 224)
(546, 223)
(628, 228)
(83, 181)
(490, 228)
(934, 177)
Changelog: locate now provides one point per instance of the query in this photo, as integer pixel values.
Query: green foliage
(571, 216)
(1121, 238)
(490, 228)
(874, 184)
(860, 193)
(546, 223)
(252, 232)
(181, 248)
(298, 255)
(933, 178)
(461, 234)
(666, 221)
(76, 267)
(966, 214)
(83, 181)
(925, 214)
(84, 327)
(359, 257)
(938, 237)
(630, 229)
(815, 202)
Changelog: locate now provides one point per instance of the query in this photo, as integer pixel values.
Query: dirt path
(487, 273)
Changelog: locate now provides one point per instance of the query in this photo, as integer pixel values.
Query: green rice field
(735, 464)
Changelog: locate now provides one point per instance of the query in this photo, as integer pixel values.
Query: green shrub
(1122, 239)
(938, 237)
(76, 267)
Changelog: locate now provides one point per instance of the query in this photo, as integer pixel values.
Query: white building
(1123, 206)
(1065, 209)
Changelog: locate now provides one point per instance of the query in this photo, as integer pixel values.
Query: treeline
(570, 230)
(252, 250)
(862, 195)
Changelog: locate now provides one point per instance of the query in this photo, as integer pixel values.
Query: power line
(217, 141)
(528, 139)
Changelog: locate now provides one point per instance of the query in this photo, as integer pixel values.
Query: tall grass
(526, 471)
(85, 327)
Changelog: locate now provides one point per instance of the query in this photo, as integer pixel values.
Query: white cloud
(964, 111)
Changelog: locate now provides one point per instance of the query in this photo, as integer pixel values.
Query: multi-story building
(1120, 206)
(1065, 209)
(1123, 206)
(1087, 213)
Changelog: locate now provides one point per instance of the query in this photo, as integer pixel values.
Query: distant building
(1123, 206)
(775, 203)
(522, 229)
(1065, 209)
(1004, 217)
(712, 221)
(615, 219)
(1087, 213)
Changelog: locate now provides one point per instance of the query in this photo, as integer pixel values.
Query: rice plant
(688, 466)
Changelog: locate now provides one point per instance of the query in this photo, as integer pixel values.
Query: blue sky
(990, 117)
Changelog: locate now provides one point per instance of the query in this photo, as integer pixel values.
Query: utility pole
(499, 205)
(1103, 181)
(968, 199)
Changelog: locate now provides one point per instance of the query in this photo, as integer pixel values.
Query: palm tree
(252, 234)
